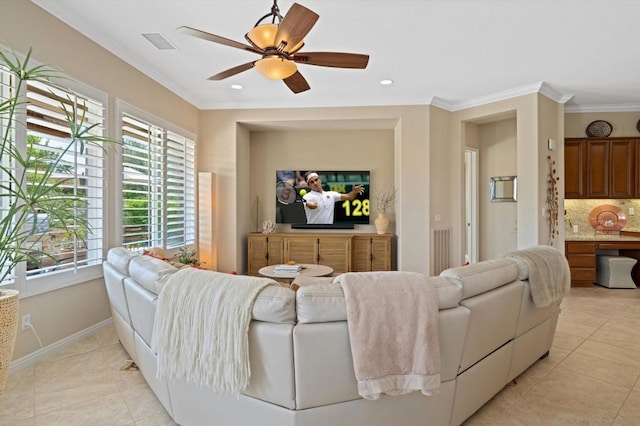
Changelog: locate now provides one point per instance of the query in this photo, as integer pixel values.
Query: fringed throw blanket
(201, 328)
(549, 273)
(393, 329)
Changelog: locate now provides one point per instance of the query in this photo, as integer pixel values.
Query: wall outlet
(575, 229)
(632, 211)
(26, 322)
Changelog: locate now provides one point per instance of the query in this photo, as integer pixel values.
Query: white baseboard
(48, 350)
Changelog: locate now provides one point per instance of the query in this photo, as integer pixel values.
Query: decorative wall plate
(607, 217)
(599, 129)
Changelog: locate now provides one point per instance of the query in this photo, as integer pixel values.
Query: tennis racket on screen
(287, 194)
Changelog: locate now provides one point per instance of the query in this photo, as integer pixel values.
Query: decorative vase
(8, 331)
(382, 223)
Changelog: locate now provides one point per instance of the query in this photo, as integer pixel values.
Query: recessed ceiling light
(237, 86)
(386, 82)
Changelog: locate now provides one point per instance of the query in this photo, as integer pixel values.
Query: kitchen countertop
(600, 238)
(627, 235)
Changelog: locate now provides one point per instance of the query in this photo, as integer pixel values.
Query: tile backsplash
(577, 213)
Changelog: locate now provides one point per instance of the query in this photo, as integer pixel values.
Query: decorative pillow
(158, 253)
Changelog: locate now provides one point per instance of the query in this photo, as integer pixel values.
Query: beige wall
(23, 25)
(367, 149)
(61, 313)
(531, 135)
(551, 126)
(227, 149)
(624, 123)
(443, 170)
(498, 222)
(428, 167)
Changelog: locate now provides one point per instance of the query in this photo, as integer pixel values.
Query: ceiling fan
(279, 44)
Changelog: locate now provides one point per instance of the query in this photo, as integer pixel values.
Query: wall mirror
(503, 189)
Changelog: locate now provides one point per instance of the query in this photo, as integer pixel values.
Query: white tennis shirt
(326, 201)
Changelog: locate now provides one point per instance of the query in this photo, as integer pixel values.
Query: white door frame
(471, 204)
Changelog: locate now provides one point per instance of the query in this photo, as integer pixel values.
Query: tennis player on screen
(319, 204)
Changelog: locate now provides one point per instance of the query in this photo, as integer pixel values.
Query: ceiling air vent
(159, 41)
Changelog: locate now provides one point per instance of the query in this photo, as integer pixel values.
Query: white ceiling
(450, 53)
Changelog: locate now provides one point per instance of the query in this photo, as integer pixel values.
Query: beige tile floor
(590, 378)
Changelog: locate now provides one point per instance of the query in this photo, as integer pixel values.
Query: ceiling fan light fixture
(275, 68)
(263, 35)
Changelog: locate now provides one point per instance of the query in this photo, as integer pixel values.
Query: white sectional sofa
(301, 365)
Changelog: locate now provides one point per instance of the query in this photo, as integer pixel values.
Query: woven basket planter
(8, 330)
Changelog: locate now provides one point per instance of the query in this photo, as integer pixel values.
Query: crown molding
(441, 103)
(553, 94)
(602, 108)
(538, 87)
(497, 97)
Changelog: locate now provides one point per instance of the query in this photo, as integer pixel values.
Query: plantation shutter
(158, 185)
(180, 191)
(5, 93)
(81, 169)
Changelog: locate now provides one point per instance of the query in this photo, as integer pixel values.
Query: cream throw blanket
(200, 332)
(549, 273)
(393, 329)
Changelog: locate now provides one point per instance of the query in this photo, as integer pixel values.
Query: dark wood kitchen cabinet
(601, 168)
(582, 262)
(622, 173)
(637, 170)
(575, 169)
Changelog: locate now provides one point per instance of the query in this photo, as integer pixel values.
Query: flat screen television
(290, 204)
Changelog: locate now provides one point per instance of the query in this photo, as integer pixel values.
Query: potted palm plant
(31, 185)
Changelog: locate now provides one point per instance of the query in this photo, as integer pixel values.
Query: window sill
(54, 281)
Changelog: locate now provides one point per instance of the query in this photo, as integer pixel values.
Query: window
(57, 257)
(158, 185)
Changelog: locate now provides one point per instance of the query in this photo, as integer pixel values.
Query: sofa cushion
(479, 278)
(318, 301)
(321, 303)
(144, 303)
(114, 283)
(275, 304)
(151, 273)
(119, 258)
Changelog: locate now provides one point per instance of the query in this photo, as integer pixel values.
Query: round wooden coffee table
(308, 270)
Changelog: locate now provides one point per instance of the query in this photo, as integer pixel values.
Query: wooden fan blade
(297, 83)
(295, 25)
(218, 39)
(231, 71)
(332, 59)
